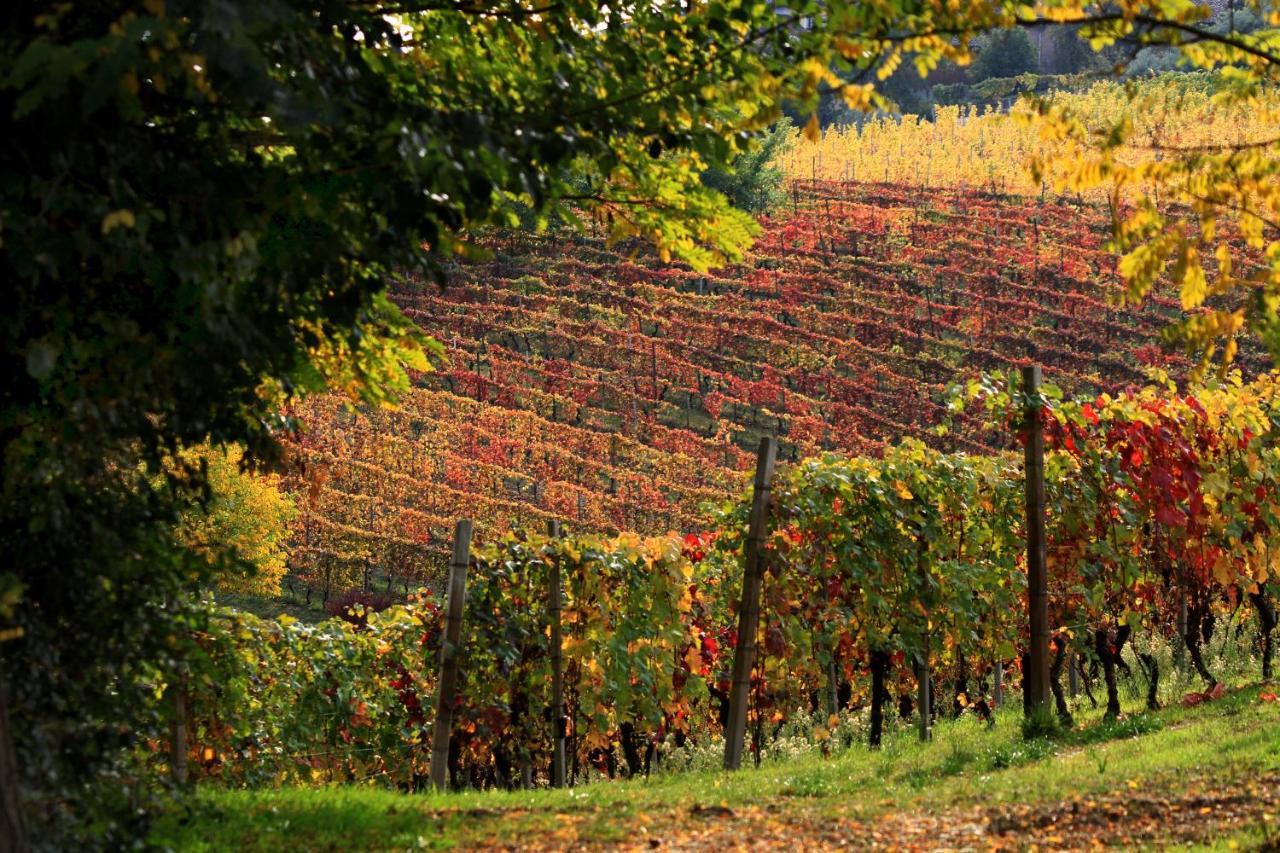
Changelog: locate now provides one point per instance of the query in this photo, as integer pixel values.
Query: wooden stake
(176, 695)
(749, 608)
(922, 661)
(178, 734)
(558, 719)
(1037, 677)
(923, 696)
(12, 828)
(998, 678)
(833, 687)
(1180, 647)
(449, 650)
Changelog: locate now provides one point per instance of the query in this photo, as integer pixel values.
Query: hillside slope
(604, 388)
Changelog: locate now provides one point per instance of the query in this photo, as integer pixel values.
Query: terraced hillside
(604, 388)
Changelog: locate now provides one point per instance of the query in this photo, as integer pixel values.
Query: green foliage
(907, 90)
(753, 181)
(1071, 54)
(1153, 61)
(1005, 53)
(912, 553)
(292, 702)
(1162, 753)
(992, 91)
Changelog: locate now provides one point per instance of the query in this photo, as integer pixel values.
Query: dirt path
(1199, 813)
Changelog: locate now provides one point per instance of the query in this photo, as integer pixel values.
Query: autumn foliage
(1160, 503)
(603, 388)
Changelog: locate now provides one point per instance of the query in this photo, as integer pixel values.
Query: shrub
(355, 605)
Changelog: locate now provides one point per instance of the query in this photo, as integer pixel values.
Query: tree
(753, 182)
(1071, 54)
(245, 514)
(1005, 53)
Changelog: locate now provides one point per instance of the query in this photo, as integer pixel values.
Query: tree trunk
(924, 697)
(1109, 653)
(1055, 682)
(1086, 681)
(1267, 620)
(1152, 668)
(879, 672)
(177, 696)
(631, 749)
(1192, 639)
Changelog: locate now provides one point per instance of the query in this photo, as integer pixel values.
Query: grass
(296, 606)
(967, 765)
(270, 607)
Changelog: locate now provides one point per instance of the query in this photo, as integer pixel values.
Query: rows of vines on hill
(991, 149)
(619, 393)
(1163, 516)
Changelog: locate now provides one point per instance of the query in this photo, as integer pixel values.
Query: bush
(355, 605)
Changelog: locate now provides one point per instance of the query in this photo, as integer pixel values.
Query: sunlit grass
(967, 763)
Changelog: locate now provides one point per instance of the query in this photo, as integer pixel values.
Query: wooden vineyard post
(922, 661)
(1037, 676)
(1180, 646)
(558, 721)
(998, 688)
(12, 828)
(178, 734)
(749, 608)
(449, 649)
(923, 698)
(833, 688)
(176, 695)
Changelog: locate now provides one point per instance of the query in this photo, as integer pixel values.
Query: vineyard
(967, 148)
(1163, 524)
(605, 389)
(503, 425)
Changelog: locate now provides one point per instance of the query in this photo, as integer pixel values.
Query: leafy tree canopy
(244, 514)
(1071, 54)
(753, 181)
(1005, 53)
